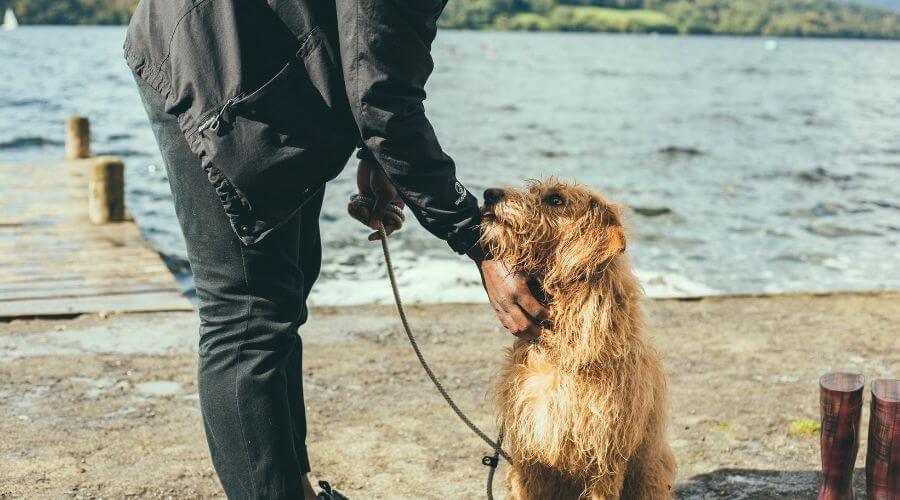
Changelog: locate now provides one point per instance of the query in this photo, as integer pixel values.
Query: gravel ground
(106, 406)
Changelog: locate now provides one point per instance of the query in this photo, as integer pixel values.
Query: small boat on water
(9, 20)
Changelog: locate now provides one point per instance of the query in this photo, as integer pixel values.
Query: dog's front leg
(515, 484)
(608, 486)
(533, 481)
(651, 472)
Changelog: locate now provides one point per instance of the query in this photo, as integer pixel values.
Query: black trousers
(251, 302)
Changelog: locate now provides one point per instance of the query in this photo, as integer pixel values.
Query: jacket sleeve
(386, 57)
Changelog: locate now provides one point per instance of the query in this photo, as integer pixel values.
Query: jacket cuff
(364, 153)
(465, 238)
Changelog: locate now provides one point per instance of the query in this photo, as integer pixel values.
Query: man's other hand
(516, 307)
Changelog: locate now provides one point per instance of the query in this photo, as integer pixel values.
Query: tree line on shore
(814, 18)
(71, 11)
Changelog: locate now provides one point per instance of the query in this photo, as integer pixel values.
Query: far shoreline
(651, 34)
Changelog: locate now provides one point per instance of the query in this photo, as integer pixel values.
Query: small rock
(651, 211)
(835, 231)
(740, 432)
(680, 151)
(550, 154)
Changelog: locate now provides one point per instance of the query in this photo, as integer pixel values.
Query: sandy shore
(96, 406)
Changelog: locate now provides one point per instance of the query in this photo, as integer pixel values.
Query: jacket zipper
(213, 122)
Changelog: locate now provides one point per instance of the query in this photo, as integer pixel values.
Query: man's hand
(372, 181)
(508, 293)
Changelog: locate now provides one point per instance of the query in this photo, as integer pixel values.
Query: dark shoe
(330, 494)
(883, 457)
(840, 398)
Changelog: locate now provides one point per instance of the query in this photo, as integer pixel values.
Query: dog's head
(553, 230)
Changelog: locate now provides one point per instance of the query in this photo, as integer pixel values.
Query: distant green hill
(71, 11)
(812, 18)
(818, 18)
(888, 4)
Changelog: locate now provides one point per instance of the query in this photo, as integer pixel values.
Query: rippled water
(749, 170)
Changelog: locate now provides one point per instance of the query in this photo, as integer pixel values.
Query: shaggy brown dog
(584, 409)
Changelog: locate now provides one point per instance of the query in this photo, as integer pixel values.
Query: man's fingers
(519, 324)
(388, 230)
(532, 306)
(393, 218)
(359, 211)
(533, 332)
(518, 315)
(378, 211)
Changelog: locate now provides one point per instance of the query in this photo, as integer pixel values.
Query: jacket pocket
(277, 144)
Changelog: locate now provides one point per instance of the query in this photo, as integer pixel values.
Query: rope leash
(491, 461)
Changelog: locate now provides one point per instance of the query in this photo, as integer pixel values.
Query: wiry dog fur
(584, 409)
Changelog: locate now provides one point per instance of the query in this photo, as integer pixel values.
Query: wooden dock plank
(83, 291)
(54, 261)
(126, 302)
(67, 285)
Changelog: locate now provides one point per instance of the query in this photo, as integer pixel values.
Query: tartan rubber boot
(840, 398)
(883, 456)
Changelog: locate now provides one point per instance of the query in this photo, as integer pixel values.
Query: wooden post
(106, 190)
(78, 138)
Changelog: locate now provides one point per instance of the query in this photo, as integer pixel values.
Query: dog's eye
(555, 200)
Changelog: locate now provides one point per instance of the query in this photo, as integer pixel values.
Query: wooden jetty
(67, 244)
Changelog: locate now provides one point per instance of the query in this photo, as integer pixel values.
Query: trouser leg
(310, 261)
(251, 301)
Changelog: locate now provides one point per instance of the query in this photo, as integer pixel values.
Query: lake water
(748, 169)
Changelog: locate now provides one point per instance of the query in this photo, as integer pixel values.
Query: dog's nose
(492, 196)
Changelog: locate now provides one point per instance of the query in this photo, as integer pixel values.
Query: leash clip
(490, 461)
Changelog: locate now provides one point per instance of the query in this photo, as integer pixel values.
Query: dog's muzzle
(492, 196)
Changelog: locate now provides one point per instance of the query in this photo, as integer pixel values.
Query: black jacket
(273, 96)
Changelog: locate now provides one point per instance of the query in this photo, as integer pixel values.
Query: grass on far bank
(587, 18)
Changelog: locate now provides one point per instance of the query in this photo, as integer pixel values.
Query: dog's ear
(616, 241)
(611, 238)
(590, 243)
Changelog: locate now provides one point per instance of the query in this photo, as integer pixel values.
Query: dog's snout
(492, 195)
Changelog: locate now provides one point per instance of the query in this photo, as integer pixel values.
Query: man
(255, 106)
